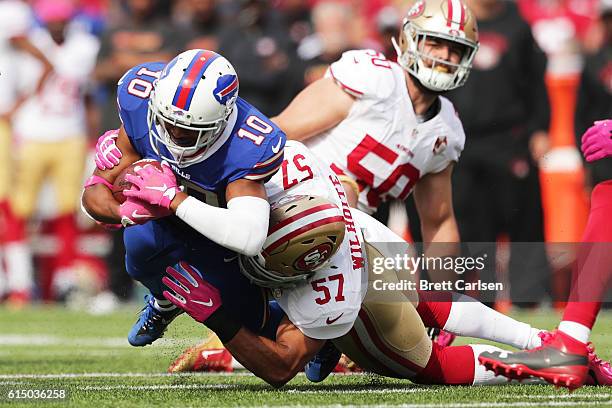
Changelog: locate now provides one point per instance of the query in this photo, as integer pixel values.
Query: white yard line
(558, 399)
(158, 387)
(462, 405)
(113, 375)
(34, 340)
(558, 396)
(362, 391)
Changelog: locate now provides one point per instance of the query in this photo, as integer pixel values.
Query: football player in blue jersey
(208, 202)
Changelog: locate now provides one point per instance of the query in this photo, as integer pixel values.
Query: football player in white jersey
(384, 127)
(16, 20)
(318, 260)
(51, 128)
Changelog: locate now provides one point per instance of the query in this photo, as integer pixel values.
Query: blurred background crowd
(542, 75)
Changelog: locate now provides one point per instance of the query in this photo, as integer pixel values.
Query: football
(122, 184)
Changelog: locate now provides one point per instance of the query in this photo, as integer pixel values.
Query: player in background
(15, 22)
(384, 127)
(318, 262)
(50, 131)
(566, 358)
(220, 149)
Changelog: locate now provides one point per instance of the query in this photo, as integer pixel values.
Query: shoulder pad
(363, 74)
(260, 145)
(133, 90)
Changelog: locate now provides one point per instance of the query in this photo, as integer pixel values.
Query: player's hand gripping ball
(153, 185)
(121, 182)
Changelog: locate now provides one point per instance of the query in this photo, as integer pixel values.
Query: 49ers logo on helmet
(416, 10)
(312, 259)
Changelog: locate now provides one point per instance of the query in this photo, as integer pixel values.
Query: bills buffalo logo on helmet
(227, 88)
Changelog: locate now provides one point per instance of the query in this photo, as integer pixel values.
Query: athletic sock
(468, 317)
(576, 330)
(163, 305)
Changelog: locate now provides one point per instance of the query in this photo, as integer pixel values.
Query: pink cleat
(600, 372)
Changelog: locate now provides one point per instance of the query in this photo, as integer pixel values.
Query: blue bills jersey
(251, 147)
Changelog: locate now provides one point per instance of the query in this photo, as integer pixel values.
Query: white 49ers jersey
(381, 143)
(327, 305)
(58, 111)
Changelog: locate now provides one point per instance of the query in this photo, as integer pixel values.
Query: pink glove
(136, 212)
(597, 141)
(153, 186)
(195, 296)
(107, 152)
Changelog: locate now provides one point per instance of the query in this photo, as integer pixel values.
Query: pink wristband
(93, 180)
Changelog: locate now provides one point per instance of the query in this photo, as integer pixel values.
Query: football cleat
(208, 356)
(561, 360)
(323, 363)
(600, 372)
(151, 323)
(346, 366)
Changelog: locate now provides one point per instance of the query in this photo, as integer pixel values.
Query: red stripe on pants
(448, 365)
(434, 308)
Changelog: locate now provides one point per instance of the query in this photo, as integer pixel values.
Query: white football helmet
(196, 91)
(450, 20)
(305, 232)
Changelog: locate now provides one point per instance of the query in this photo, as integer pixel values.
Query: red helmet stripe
(191, 77)
(462, 23)
(297, 216)
(307, 227)
(449, 18)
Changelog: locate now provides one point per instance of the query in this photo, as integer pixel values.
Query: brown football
(122, 184)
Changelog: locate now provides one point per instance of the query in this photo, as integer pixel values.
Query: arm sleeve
(241, 227)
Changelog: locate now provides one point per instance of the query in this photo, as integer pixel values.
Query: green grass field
(53, 348)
